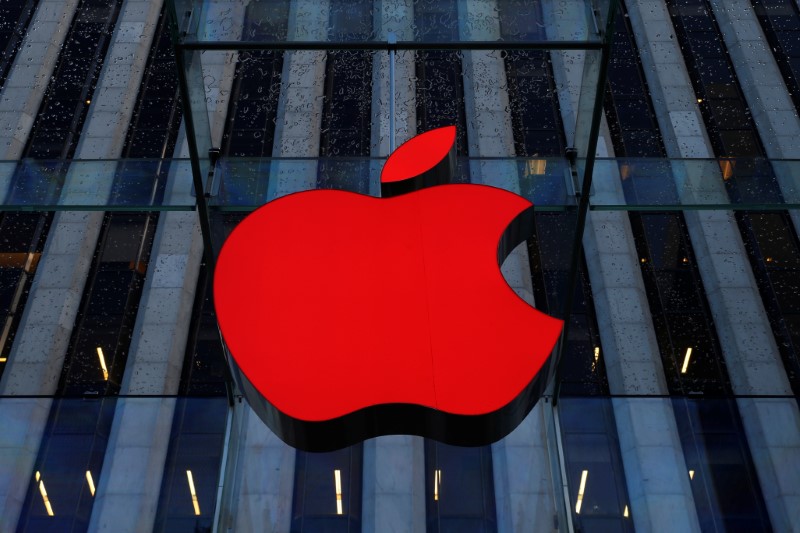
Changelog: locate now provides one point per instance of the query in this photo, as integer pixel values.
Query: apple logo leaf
(423, 161)
(349, 317)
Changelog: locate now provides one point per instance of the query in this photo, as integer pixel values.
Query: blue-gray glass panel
(205, 367)
(74, 443)
(21, 246)
(582, 365)
(733, 133)
(193, 464)
(439, 24)
(327, 491)
(68, 96)
(107, 312)
(459, 489)
(15, 15)
(252, 108)
(780, 20)
(683, 322)
(347, 106)
(593, 462)
(60, 118)
(723, 480)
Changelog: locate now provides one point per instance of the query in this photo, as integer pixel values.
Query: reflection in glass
(252, 109)
(67, 99)
(15, 15)
(188, 494)
(582, 366)
(533, 100)
(440, 86)
(459, 489)
(20, 250)
(205, 368)
(95, 360)
(593, 460)
(780, 20)
(327, 491)
(733, 133)
(54, 134)
(59, 497)
(723, 480)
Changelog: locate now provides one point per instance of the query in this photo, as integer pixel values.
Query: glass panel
(205, 22)
(594, 465)
(459, 489)
(68, 474)
(191, 474)
(66, 102)
(721, 471)
(243, 183)
(125, 184)
(327, 491)
(15, 15)
(60, 496)
(696, 183)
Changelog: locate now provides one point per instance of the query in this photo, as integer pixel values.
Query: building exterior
(674, 407)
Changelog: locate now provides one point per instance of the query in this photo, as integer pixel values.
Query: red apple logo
(349, 316)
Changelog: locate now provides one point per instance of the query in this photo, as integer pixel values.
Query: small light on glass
(686, 360)
(195, 503)
(102, 363)
(581, 490)
(43, 492)
(337, 476)
(90, 481)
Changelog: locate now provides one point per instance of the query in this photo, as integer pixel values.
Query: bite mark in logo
(349, 316)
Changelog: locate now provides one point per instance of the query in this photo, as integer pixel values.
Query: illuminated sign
(349, 316)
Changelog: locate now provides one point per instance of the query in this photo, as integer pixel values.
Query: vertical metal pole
(391, 38)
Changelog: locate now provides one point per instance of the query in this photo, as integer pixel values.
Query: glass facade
(134, 136)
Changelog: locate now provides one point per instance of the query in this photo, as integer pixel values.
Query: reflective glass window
(690, 351)
(98, 349)
(205, 368)
(15, 15)
(439, 83)
(95, 360)
(62, 487)
(22, 237)
(693, 364)
(346, 114)
(733, 134)
(67, 99)
(780, 20)
(459, 489)
(191, 473)
(582, 366)
(724, 483)
(598, 494)
(54, 135)
(327, 491)
(631, 118)
(252, 109)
